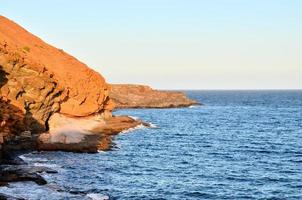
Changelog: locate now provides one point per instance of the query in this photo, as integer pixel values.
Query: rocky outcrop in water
(140, 96)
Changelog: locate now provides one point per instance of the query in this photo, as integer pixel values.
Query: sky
(175, 44)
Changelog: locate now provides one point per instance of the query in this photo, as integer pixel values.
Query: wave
(141, 126)
(193, 106)
(152, 125)
(52, 166)
(135, 118)
(39, 162)
(31, 160)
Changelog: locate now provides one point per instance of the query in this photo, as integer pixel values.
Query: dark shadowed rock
(8, 197)
(21, 173)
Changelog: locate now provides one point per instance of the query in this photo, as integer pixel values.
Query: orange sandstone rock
(41, 79)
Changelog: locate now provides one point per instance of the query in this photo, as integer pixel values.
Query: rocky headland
(141, 96)
(49, 101)
(48, 97)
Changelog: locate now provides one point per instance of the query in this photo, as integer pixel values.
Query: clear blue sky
(175, 44)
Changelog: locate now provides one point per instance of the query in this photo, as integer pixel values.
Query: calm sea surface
(239, 145)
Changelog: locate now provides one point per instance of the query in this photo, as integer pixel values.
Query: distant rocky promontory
(141, 96)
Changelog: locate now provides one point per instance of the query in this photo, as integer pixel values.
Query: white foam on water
(24, 158)
(39, 162)
(94, 196)
(29, 159)
(153, 125)
(135, 128)
(52, 166)
(32, 191)
(135, 118)
(193, 106)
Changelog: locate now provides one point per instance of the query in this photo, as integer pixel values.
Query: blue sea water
(238, 145)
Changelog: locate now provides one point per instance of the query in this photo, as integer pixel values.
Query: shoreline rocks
(22, 173)
(14, 169)
(141, 96)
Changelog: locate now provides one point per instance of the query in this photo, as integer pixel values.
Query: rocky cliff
(42, 79)
(45, 84)
(140, 96)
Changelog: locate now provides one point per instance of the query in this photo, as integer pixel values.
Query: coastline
(50, 101)
(14, 168)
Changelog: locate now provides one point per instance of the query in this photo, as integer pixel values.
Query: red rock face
(43, 89)
(41, 79)
(140, 96)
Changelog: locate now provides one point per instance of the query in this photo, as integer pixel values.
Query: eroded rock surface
(140, 96)
(83, 134)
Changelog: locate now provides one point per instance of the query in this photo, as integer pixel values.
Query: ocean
(237, 145)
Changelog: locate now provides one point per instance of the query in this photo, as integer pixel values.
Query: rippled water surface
(239, 145)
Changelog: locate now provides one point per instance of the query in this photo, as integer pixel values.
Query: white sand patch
(68, 134)
(69, 130)
(79, 123)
